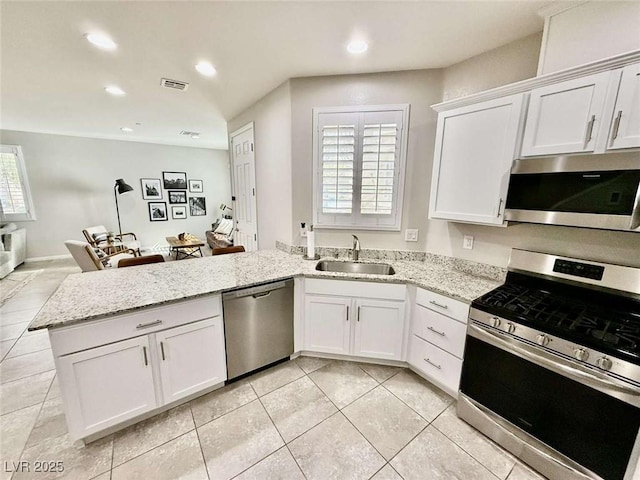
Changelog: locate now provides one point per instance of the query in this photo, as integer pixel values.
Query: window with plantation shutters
(15, 196)
(359, 162)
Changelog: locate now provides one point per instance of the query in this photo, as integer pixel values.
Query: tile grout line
(206, 469)
(286, 445)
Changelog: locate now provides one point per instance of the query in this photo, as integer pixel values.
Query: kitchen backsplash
(472, 268)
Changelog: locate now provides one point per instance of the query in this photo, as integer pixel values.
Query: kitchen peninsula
(130, 343)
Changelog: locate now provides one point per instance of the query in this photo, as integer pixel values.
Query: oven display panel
(585, 270)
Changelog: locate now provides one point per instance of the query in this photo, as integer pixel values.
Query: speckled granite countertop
(90, 296)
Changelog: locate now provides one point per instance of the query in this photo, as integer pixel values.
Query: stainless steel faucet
(355, 251)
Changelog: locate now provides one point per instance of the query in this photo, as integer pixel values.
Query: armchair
(88, 259)
(98, 237)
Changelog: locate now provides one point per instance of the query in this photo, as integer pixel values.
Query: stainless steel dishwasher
(258, 326)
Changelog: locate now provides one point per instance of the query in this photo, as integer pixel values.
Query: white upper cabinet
(625, 128)
(565, 117)
(475, 148)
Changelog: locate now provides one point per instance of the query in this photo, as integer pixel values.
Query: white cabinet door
(475, 147)
(379, 329)
(625, 128)
(565, 117)
(106, 385)
(192, 358)
(327, 324)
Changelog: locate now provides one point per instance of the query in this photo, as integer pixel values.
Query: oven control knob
(581, 354)
(543, 340)
(511, 327)
(495, 322)
(604, 363)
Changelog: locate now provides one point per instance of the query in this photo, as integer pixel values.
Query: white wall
(272, 137)
(72, 181)
(510, 63)
(589, 32)
(420, 89)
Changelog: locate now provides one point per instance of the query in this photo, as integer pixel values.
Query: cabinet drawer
(350, 288)
(442, 367)
(441, 304)
(74, 338)
(445, 332)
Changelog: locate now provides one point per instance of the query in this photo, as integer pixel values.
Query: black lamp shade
(122, 186)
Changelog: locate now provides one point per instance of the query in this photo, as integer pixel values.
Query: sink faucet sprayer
(355, 251)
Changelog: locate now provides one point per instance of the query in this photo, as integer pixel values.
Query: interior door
(244, 188)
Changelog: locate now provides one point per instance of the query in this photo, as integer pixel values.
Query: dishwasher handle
(259, 291)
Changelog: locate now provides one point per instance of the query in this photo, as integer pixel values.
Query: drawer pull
(439, 367)
(436, 331)
(162, 350)
(147, 325)
(433, 302)
(144, 352)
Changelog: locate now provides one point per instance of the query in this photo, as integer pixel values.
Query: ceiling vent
(174, 84)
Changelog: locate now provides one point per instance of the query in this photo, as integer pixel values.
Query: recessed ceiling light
(205, 68)
(126, 129)
(113, 90)
(357, 46)
(101, 41)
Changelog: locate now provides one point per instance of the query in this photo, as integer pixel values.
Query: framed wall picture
(174, 180)
(177, 196)
(179, 212)
(197, 206)
(158, 211)
(151, 188)
(196, 186)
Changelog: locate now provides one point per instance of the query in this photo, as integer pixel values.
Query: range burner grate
(570, 318)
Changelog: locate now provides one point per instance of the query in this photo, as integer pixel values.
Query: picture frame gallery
(177, 187)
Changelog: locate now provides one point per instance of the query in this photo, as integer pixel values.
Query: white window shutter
(359, 159)
(15, 198)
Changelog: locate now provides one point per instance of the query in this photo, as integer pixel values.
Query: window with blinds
(359, 158)
(15, 198)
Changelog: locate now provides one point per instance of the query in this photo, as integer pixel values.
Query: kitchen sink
(355, 267)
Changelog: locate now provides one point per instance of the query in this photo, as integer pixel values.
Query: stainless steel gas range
(552, 366)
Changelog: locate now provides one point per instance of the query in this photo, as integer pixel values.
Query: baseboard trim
(49, 257)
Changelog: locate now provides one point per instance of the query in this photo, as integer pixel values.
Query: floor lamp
(119, 188)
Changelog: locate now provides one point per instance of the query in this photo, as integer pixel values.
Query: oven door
(505, 383)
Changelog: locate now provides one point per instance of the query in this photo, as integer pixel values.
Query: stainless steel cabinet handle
(589, 134)
(144, 352)
(616, 126)
(147, 325)
(347, 313)
(439, 367)
(358, 314)
(436, 331)
(433, 302)
(499, 205)
(162, 350)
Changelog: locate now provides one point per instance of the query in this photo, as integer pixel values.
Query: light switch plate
(467, 242)
(411, 235)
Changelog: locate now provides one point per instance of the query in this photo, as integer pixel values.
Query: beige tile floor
(308, 418)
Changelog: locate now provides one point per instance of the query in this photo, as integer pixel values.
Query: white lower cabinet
(107, 385)
(350, 325)
(438, 335)
(104, 386)
(190, 358)
(379, 329)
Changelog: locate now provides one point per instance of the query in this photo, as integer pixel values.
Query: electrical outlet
(467, 242)
(411, 235)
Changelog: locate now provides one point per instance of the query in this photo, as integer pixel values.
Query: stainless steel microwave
(595, 191)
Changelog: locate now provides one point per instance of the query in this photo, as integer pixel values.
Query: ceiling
(52, 79)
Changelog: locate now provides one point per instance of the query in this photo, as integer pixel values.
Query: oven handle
(555, 365)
